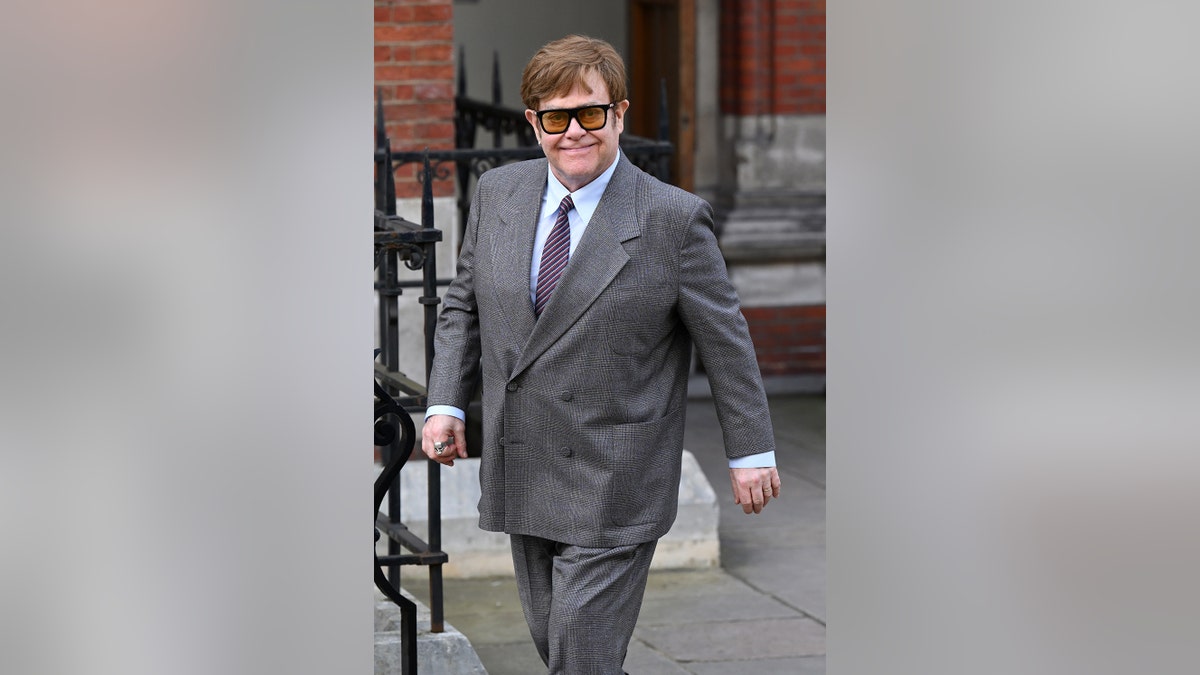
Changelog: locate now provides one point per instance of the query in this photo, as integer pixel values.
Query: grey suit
(583, 408)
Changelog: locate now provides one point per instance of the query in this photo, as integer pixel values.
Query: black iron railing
(401, 241)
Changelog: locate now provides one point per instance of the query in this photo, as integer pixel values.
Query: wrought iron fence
(414, 244)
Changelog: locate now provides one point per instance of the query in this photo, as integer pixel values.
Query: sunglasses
(590, 118)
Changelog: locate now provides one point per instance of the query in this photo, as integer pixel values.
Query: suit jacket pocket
(648, 456)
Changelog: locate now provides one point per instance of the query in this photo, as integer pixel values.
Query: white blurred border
(1012, 337)
(186, 467)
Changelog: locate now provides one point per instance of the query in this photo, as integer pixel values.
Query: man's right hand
(446, 429)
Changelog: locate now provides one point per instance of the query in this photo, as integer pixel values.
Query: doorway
(662, 48)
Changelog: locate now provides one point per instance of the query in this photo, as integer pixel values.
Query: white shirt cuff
(445, 410)
(758, 461)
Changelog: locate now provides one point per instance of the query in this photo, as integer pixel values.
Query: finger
(446, 452)
(759, 499)
(742, 496)
(461, 447)
(427, 441)
(456, 446)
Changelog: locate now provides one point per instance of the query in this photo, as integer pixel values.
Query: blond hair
(560, 65)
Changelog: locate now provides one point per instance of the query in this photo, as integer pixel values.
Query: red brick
(399, 133)
(407, 189)
(389, 33)
(788, 340)
(390, 73)
(434, 132)
(414, 73)
(396, 93)
(433, 13)
(801, 63)
(433, 91)
(414, 32)
(413, 112)
(433, 52)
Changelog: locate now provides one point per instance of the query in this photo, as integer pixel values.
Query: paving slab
(641, 659)
(803, 665)
(486, 610)
(793, 577)
(683, 598)
(510, 659)
(733, 640)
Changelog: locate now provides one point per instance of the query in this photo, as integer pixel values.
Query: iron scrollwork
(388, 413)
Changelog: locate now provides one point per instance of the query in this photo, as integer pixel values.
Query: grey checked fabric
(581, 604)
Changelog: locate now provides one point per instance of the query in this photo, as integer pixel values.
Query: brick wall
(773, 57)
(414, 69)
(788, 340)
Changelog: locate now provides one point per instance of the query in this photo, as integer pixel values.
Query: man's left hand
(753, 488)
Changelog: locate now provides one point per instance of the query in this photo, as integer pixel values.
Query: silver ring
(438, 448)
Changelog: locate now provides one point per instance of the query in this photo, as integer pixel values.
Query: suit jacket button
(512, 386)
(565, 452)
(503, 440)
(567, 396)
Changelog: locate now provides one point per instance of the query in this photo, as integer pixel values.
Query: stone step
(445, 653)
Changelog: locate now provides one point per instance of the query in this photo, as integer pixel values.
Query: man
(582, 285)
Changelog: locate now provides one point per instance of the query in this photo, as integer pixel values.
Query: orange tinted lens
(591, 118)
(554, 122)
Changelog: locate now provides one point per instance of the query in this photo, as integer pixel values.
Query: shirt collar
(586, 198)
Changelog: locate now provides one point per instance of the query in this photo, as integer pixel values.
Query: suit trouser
(581, 604)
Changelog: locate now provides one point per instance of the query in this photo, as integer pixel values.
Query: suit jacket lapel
(596, 261)
(515, 232)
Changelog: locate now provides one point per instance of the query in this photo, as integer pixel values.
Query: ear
(620, 109)
(531, 117)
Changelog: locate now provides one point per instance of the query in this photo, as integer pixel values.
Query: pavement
(762, 610)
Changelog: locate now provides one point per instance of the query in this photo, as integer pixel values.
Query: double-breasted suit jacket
(583, 407)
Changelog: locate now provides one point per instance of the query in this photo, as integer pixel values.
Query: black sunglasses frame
(573, 115)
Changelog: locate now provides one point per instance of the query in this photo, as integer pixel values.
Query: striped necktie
(555, 255)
